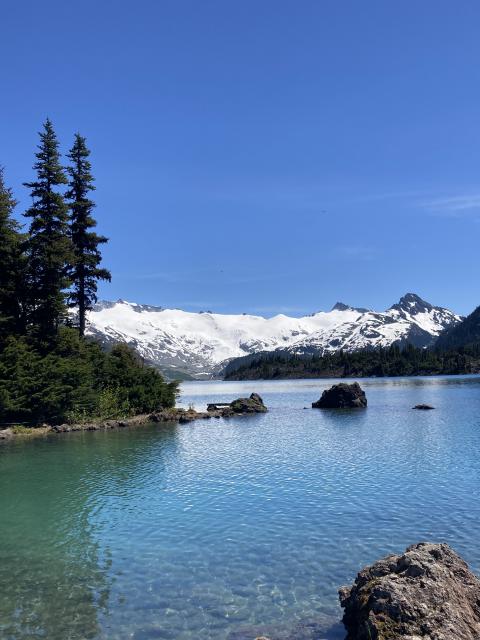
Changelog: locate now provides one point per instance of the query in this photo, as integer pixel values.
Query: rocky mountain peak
(341, 306)
(412, 303)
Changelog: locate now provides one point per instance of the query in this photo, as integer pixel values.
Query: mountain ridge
(199, 344)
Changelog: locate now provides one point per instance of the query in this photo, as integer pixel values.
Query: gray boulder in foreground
(426, 593)
(342, 396)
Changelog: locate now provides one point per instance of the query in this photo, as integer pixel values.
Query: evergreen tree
(11, 265)
(49, 246)
(86, 270)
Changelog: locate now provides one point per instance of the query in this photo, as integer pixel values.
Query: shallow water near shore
(228, 529)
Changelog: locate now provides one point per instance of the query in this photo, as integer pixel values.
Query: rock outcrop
(342, 396)
(427, 593)
(253, 404)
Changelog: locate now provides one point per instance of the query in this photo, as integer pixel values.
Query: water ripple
(231, 529)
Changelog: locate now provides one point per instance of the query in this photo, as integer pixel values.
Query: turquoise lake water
(228, 529)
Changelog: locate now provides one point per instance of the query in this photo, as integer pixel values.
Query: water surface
(230, 528)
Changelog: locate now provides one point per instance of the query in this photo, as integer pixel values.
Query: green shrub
(76, 381)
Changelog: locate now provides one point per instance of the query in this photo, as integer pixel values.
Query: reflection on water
(229, 529)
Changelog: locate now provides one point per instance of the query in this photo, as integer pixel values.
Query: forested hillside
(393, 361)
(464, 334)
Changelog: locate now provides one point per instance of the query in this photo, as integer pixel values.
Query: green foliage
(76, 381)
(48, 244)
(12, 264)
(49, 372)
(393, 361)
(85, 270)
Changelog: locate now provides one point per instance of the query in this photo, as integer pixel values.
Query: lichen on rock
(427, 592)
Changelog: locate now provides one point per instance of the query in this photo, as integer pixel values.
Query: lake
(228, 529)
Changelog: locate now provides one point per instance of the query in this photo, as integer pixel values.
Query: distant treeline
(392, 361)
(48, 370)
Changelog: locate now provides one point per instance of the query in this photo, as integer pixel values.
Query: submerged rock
(342, 396)
(427, 592)
(423, 407)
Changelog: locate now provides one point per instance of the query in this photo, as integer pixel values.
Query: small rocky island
(253, 404)
(427, 592)
(342, 396)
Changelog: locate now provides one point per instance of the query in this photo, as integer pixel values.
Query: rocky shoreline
(240, 406)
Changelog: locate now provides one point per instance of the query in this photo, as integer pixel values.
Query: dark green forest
(49, 272)
(394, 361)
(465, 334)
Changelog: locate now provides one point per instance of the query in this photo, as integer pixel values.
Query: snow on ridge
(198, 342)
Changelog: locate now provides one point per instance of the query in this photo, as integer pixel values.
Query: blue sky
(262, 156)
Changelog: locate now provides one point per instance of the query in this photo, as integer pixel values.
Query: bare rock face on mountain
(427, 592)
(342, 396)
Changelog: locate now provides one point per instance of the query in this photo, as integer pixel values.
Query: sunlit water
(225, 529)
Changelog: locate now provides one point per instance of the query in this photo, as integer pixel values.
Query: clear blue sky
(262, 156)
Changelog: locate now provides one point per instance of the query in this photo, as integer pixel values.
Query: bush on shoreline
(75, 380)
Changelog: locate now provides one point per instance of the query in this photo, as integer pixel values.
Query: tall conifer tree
(12, 264)
(86, 270)
(49, 246)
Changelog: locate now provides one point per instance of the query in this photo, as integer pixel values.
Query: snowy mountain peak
(200, 344)
(411, 303)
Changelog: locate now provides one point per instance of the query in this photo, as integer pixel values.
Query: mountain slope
(200, 344)
(463, 334)
(410, 321)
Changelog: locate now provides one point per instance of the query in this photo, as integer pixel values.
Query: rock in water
(423, 407)
(428, 592)
(253, 404)
(342, 396)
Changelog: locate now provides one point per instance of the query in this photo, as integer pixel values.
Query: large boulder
(253, 404)
(342, 396)
(427, 592)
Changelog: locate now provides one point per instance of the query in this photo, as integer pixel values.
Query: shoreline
(238, 407)
(177, 415)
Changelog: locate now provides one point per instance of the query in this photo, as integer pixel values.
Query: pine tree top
(80, 171)
(7, 205)
(48, 167)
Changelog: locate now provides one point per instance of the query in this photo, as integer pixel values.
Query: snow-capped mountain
(200, 344)
(411, 320)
